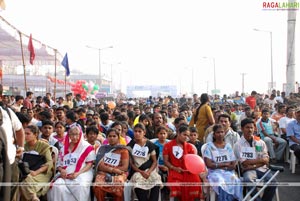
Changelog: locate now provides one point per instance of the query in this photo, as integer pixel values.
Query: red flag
(31, 50)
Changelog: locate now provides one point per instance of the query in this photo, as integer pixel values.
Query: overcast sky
(163, 41)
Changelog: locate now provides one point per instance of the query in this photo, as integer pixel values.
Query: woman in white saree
(74, 164)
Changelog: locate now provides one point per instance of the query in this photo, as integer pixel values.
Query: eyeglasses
(73, 134)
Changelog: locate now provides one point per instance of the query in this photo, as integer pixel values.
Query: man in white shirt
(283, 122)
(252, 154)
(15, 138)
(231, 136)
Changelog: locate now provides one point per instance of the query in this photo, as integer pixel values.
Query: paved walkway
(290, 190)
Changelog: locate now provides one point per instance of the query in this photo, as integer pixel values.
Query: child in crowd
(162, 134)
(91, 137)
(194, 140)
(60, 133)
(47, 133)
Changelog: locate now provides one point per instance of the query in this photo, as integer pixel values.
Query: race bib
(140, 151)
(177, 151)
(221, 156)
(248, 153)
(70, 159)
(112, 159)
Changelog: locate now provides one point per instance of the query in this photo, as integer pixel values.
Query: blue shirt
(161, 147)
(293, 129)
(264, 126)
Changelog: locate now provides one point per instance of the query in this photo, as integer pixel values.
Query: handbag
(35, 161)
(24, 169)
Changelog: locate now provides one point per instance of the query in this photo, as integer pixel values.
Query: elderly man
(293, 133)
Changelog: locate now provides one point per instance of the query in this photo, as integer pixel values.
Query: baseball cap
(90, 112)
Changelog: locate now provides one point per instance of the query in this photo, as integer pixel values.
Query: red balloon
(194, 163)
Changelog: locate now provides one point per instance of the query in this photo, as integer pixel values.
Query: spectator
(117, 170)
(32, 187)
(221, 161)
(173, 153)
(293, 133)
(28, 99)
(265, 127)
(203, 117)
(75, 168)
(143, 168)
(253, 157)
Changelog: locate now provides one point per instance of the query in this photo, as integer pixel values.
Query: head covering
(90, 112)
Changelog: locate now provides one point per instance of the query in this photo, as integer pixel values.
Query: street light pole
(243, 82)
(193, 84)
(271, 45)
(271, 53)
(215, 77)
(215, 80)
(99, 52)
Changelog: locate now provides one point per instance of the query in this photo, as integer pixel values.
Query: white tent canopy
(10, 48)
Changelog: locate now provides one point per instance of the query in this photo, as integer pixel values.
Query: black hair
(34, 129)
(112, 130)
(224, 116)
(47, 122)
(204, 98)
(71, 115)
(92, 128)
(247, 121)
(193, 129)
(141, 126)
(183, 128)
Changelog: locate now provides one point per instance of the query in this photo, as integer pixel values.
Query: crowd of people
(93, 149)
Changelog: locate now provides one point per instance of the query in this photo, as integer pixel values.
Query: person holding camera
(75, 162)
(112, 163)
(40, 165)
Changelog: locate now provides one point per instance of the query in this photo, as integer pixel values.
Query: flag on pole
(65, 63)
(31, 50)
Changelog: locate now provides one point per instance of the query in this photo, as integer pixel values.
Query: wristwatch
(21, 148)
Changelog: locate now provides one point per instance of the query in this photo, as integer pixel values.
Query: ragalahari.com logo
(272, 5)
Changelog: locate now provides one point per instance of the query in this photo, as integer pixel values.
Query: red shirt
(251, 101)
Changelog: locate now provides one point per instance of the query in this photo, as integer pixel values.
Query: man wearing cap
(293, 133)
(89, 114)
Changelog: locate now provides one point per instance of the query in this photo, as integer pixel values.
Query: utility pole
(290, 66)
(243, 82)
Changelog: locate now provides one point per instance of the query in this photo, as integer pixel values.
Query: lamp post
(243, 82)
(215, 79)
(271, 53)
(193, 83)
(111, 76)
(99, 52)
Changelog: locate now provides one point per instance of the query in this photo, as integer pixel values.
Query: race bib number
(248, 153)
(140, 151)
(70, 159)
(221, 156)
(112, 159)
(177, 151)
